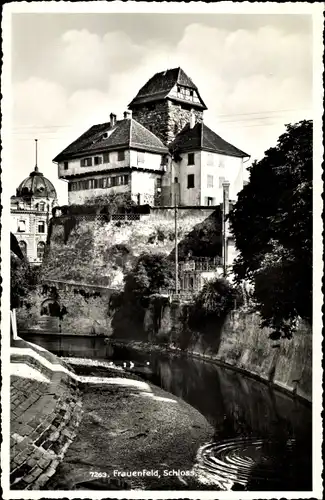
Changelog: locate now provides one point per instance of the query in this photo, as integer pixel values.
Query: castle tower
(166, 103)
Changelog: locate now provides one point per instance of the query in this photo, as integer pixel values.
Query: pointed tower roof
(160, 86)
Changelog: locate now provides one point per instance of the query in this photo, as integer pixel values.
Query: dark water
(262, 438)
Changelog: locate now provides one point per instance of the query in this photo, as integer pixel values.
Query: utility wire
(35, 127)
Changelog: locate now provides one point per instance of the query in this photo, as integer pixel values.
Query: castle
(160, 153)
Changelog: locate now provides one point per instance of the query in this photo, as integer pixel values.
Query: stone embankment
(45, 411)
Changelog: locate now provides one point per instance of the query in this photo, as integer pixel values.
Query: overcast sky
(70, 71)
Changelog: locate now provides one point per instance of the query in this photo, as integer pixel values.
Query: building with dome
(30, 211)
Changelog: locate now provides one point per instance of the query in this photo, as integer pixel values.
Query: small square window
(210, 181)
(121, 156)
(66, 165)
(190, 181)
(190, 159)
(191, 93)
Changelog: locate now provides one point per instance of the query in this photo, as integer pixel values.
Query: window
(210, 181)
(66, 165)
(221, 181)
(191, 93)
(190, 159)
(176, 180)
(210, 159)
(41, 226)
(140, 157)
(113, 181)
(23, 246)
(106, 157)
(40, 250)
(86, 162)
(158, 183)
(178, 88)
(190, 181)
(209, 201)
(121, 156)
(222, 163)
(98, 160)
(42, 206)
(21, 226)
(125, 179)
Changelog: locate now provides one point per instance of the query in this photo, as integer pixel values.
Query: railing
(200, 264)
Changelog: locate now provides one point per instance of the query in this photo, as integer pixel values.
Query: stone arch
(50, 307)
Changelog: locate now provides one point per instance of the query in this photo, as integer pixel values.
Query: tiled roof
(159, 86)
(201, 137)
(125, 134)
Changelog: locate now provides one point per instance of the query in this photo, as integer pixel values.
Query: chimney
(127, 115)
(192, 119)
(112, 119)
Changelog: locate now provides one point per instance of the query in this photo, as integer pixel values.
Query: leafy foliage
(272, 226)
(216, 299)
(24, 279)
(150, 273)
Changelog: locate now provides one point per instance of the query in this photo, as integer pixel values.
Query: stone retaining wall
(45, 411)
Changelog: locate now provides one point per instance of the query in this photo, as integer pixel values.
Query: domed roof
(36, 185)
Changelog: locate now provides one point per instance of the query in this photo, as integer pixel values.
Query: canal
(262, 437)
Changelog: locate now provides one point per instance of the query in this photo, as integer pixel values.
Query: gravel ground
(130, 425)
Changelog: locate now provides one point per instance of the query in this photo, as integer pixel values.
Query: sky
(70, 71)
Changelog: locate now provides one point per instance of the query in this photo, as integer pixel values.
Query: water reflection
(262, 438)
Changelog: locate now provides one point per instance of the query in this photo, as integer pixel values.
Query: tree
(150, 274)
(272, 226)
(216, 299)
(23, 280)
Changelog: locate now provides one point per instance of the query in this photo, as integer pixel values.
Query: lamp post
(176, 240)
(225, 212)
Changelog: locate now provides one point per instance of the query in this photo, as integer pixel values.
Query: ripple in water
(242, 462)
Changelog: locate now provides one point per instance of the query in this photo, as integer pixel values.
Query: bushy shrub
(217, 298)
